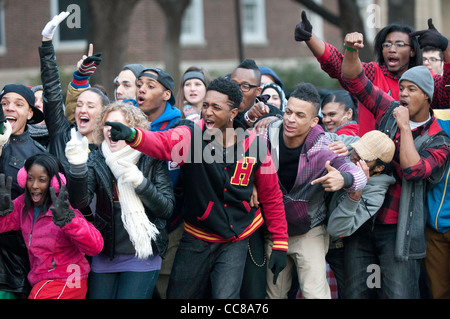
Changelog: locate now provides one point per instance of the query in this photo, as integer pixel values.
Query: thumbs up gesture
(332, 181)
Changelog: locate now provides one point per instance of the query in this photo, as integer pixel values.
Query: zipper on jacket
(442, 201)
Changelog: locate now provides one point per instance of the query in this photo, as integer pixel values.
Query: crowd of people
(231, 187)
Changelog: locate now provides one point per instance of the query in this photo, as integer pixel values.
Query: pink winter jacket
(56, 253)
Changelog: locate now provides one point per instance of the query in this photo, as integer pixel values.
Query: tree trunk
(173, 11)
(109, 23)
(352, 22)
(407, 9)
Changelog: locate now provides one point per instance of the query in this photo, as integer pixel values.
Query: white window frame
(317, 21)
(64, 45)
(259, 36)
(197, 35)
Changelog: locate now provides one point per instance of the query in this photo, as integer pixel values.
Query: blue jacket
(170, 116)
(438, 197)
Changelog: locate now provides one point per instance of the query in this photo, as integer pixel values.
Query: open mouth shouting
(393, 61)
(36, 197)
(140, 99)
(404, 102)
(83, 121)
(209, 124)
(12, 120)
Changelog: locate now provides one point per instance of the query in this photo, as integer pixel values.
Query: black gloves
(431, 37)
(277, 263)
(303, 30)
(6, 204)
(90, 64)
(121, 132)
(62, 213)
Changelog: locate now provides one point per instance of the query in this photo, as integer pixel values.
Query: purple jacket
(305, 204)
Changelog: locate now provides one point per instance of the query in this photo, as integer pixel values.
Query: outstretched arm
(303, 32)
(170, 145)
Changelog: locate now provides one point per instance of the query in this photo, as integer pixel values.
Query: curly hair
(134, 116)
(229, 88)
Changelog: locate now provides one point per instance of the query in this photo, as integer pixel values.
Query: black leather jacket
(57, 124)
(155, 192)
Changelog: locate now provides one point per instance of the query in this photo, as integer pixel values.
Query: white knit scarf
(140, 229)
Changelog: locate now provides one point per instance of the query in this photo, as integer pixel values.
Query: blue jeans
(375, 249)
(207, 270)
(122, 285)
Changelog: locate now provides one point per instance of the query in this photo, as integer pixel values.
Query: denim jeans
(207, 270)
(371, 270)
(122, 285)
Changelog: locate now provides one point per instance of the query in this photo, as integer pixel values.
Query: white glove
(131, 173)
(77, 149)
(50, 27)
(6, 134)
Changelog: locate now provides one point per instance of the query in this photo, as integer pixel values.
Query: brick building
(209, 36)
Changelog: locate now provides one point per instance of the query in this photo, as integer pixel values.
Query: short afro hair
(308, 93)
(229, 88)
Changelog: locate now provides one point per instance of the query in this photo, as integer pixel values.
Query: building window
(317, 21)
(72, 33)
(192, 25)
(2, 28)
(253, 17)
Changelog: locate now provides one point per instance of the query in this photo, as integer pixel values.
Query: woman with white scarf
(134, 198)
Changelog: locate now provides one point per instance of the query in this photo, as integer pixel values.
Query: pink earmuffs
(22, 179)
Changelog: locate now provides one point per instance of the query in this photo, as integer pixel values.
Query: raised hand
(430, 37)
(62, 213)
(77, 149)
(49, 30)
(354, 40)
(6, 204)
(303, 30)
(89, 63)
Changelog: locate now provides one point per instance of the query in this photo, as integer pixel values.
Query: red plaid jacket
(331, 63)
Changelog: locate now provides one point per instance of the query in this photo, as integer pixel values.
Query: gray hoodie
(347, 215)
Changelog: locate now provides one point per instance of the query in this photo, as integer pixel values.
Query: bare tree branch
(322, 11)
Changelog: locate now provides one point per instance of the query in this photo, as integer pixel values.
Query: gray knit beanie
(135, 68)
(421, 76)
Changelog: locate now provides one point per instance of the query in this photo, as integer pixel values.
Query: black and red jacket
(218, 183)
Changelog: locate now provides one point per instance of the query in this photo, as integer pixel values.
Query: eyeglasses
(397, 44)
(245, 87)
(431, 60)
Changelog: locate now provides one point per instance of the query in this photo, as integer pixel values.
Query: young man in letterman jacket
(220, 165)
